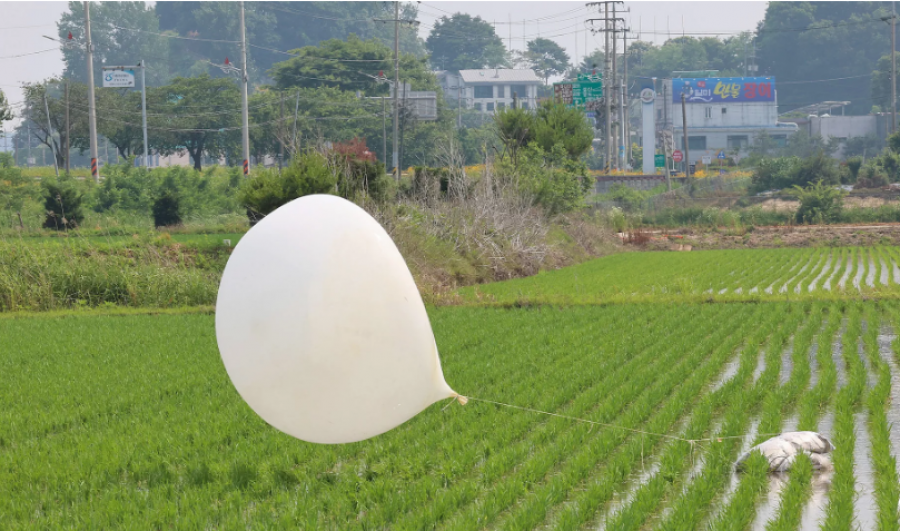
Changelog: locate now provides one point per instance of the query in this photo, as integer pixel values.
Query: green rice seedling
(678, 457)
(690, 509)
(794, 496)
(839, 511)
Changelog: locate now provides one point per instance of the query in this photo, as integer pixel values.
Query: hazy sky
(23, 23)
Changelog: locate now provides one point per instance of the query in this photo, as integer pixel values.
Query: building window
(737, 141)
(708, 112)
(484, 91)
(521, 91)
(490, 106)
(780, 140)
(525, 105)
(478, 106)
(500, 105)
(696, 142)
(724, 110)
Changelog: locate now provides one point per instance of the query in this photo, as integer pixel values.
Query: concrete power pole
(68, 129)
(893, 69)
(245, 126)
(395, 156)
(92, 110)
(144, 112)
(607, 94)
(684, 134)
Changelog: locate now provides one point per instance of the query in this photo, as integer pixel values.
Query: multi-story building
(491, 89)
(723, 114)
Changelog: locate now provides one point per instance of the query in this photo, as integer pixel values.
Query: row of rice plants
(581, 390)
(796, 493)
(841, 497)
(887, 483)
(692, 508)
(535, 507)
(629, 408)
(742, 508)
(166, 438)
(677, 456)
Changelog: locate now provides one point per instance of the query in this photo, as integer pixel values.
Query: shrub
(167, 210)
(62, 203)
(307, 174)
(819, 203)
(871, 176)
(854, 164)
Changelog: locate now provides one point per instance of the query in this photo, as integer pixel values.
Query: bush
(871, 176)
(307, 174)
(167, 210)
(819, 203)
(62, 203)
(626, 197)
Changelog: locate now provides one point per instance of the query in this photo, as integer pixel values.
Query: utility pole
(68, 129)
(458, 106)
(245, 126)
(893, 69)
(281, 140)
(383, 130)
(92, 110)
(625, 122)
(395, 148)
(609, 90)
(615, 93)
(144, 112)
(687, 153)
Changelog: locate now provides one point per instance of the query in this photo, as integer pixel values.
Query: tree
(53, 133)
(122, 33)
(819, 202)
(276, 26)
(200, 115)
(348, 65)
(516, 129)
(119, 120)
(546, 57)
(555, 124)
(5, 112)
(801, 41)
(462, 42)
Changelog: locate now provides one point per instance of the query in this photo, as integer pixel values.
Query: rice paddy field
(130, 421)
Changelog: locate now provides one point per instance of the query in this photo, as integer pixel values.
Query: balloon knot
(461, 399)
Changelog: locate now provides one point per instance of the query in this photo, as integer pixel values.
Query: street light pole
(92, 111)
(245, 136)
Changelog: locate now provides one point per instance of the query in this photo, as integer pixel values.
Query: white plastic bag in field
(321, 327)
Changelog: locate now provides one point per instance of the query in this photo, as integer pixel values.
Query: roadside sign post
(721, 157)
(677, 155)
(123, 77)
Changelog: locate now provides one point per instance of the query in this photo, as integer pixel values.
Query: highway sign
(659, 161)
(677, 155)
(721, 155)
(706, 159)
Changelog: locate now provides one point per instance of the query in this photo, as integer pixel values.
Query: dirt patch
(775, 237)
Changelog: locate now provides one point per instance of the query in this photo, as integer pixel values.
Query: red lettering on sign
(764, 90)
(750, 90)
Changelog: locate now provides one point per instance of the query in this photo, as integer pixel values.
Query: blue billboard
(724, 89)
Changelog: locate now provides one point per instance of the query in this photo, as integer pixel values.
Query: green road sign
(659, 161)
(579, 93)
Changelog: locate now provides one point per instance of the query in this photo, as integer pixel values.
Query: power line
(176, 36)
(29, 53)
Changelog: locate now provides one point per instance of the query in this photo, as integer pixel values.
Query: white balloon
(321, 327)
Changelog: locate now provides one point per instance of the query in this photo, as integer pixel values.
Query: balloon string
(463, 399)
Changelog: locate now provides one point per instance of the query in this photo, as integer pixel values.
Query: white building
(491, 89)
(720, 114)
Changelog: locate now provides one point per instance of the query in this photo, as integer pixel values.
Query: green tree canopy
(122, 33)
(5, 112)
(462, 42)
(350, 65)
(546, 57)
(201, 115)
(801, 41)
